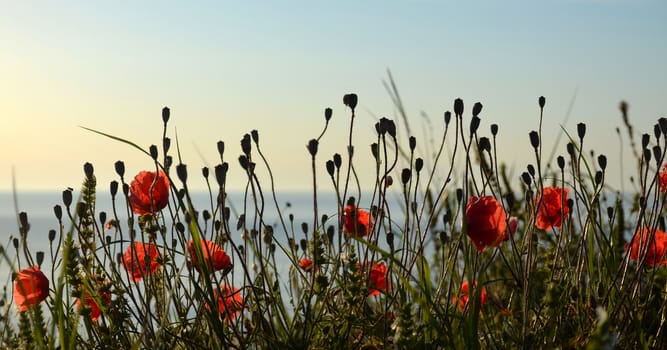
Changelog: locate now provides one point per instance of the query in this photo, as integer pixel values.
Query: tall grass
(476, 258)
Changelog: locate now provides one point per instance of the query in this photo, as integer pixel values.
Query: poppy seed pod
(647, 155)
(598, 177)
(663, 125)
(458, 107)
(350, 100)
(484, 144)
(327, 114)
(67, 197)
(645, 140)
(312, 147)
(494, 129)
(52, 235)
(88, 170)
(657, 154)
(459, 195)
(581, 130)
(304, 227)
(534, 139)
(103, 216)
(531, 169)
(656, 131)
(338, 161)
(526, 178)
(243, 160)
(476, 109)
(448, 117)
(166, 143)
(204, 172)
(58, 212)
(570, 148)
(413, 143)
(165, 115)
(374, 150)
(541, 101)
(221, 173)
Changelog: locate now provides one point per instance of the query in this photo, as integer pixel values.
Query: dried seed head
(153, 151)
(350, 100)
(221, 148)
(412, 143)
(330, 167)
(526, 178)
(602, 161)
(474, 124)
(182, 172)
(312, 147)
(58, 212)
(448, 117)
(494, 129)
(534, 139)
(120, 168)
(88, 170)
(338, 161)
(375, 150)
(204, 172)
(405, 176)
(541, 101)
(419, 164)
(476, 109)
(165, 115)
(245, 144)
(327, 114)
(255, 136)
(561, 162)
(531, 169)
(645, 140)
(581, 130)
(458, 107)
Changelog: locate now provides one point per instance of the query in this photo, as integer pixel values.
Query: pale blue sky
(225, 68)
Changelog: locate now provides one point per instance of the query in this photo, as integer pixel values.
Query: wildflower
(464, 296)
(88, 299)
(306, 264)
(357, 221)
(143, 200)
(651, 244)
(485, 220)
(140, 260)
(31, 287)
(214, 257)
(552, 208)
(230, 301)
(663, 178)
(378, 279)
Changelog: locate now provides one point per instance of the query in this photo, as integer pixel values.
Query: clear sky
(225, 68)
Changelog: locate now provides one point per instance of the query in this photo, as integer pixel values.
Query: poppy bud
(476, 109)
(103, 216)
(204, 172)
(304, 227)
(58, 211)
(153, 151)
(113, 188)
(120, 168)
(526, 178)
(243, 160)
(182, 172)
(52, 235)
(330, 167)
(67, 197)
(570, 148)
(165, 115)
(657, 154)
(166, 143)
(327, 114)
(531, 169)
(645, 140)
(647, 155)
(413, 143)
(221, 147)
(656, 131)
(405, 175)
(350, 100)
(663, 125)
(88, 170)
(221, 173)
(304, 245)
(245, 144)
(494, 129)
(534, 139)
(374, 150)
(581, 130)
(458, 107)
(602, 161)
(561, 162)
(312, 147)
(255, 136)
(474, 125)
(541, 101)
(419, 164)
(598, 177)
(391, 128)
(448, 117)
(337, 160)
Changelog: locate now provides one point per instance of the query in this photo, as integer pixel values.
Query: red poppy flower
(651, 244)
(140, 260)
(663, 178)
(306, 264)
(486, 222)
(552, 208)
(230, 301)
(357, 221)
(378, 279)
(143, 200)
(89, 300)
(214, 257)
(464, 296)
(31, 287)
